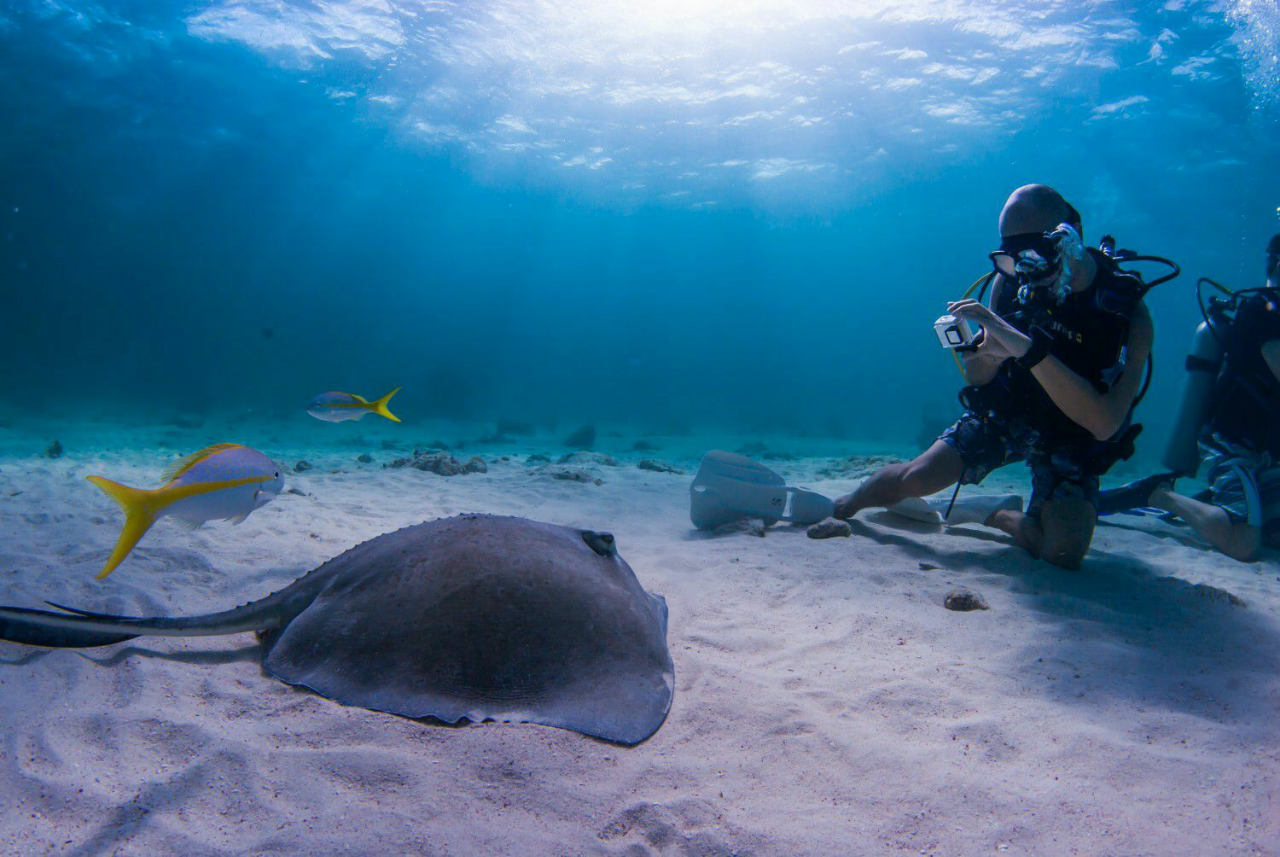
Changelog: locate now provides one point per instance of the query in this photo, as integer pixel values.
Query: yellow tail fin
(380, 407)
(140, 509)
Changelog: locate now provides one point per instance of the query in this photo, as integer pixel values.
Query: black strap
(954, 495)
(1037, 352)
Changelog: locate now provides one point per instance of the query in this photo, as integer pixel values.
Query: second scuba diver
(1231, 408)
(1053, 375)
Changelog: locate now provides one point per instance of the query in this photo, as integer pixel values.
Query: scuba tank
(1182, 453)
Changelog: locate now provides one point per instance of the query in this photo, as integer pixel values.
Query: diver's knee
(1068, 525)
(1242, 554)
(1065, 556)
(1245, 544)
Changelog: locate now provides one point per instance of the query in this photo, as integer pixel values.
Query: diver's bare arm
(1271, 354)
(1101, 413)
(980, 366)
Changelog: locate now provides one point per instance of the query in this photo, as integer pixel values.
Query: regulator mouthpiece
(1042, 264)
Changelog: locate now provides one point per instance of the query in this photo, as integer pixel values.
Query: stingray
(469, 618)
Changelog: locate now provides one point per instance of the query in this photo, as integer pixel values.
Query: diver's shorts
(986, 444)
(1245, 483)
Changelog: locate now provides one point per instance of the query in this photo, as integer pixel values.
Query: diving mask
(1041, 263)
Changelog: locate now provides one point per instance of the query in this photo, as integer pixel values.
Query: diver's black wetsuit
(1245, 406)
(1241, 440)
(1013, 418)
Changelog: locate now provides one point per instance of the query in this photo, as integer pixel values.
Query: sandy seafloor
(825, 703)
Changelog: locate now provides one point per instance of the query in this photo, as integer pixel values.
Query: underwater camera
(953, 332)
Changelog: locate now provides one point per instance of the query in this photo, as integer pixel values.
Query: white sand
(826, 702)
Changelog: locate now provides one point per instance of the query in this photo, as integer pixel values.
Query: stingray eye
(277, 474)
(601, 543)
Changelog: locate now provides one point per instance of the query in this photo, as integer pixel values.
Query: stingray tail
(72, 628)
(19, 625)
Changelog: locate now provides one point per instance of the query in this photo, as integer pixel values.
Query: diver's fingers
(974, 311)
(968, 308)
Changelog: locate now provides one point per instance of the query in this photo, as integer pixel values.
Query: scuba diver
(1053, 375)
(1229, 417)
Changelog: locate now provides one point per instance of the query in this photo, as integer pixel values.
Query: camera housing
(953, 332)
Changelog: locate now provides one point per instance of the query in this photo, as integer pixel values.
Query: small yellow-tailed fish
(337, 407)
(223, 481)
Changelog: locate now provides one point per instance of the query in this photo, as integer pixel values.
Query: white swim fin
(730, 487)
(974, 509)
(917, 509)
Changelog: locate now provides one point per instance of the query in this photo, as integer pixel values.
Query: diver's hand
(998, 331)
(989, 350)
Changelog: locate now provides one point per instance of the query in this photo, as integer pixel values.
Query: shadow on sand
(1147, 637)
(115, 655)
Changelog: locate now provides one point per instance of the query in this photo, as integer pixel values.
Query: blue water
(709, 214)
